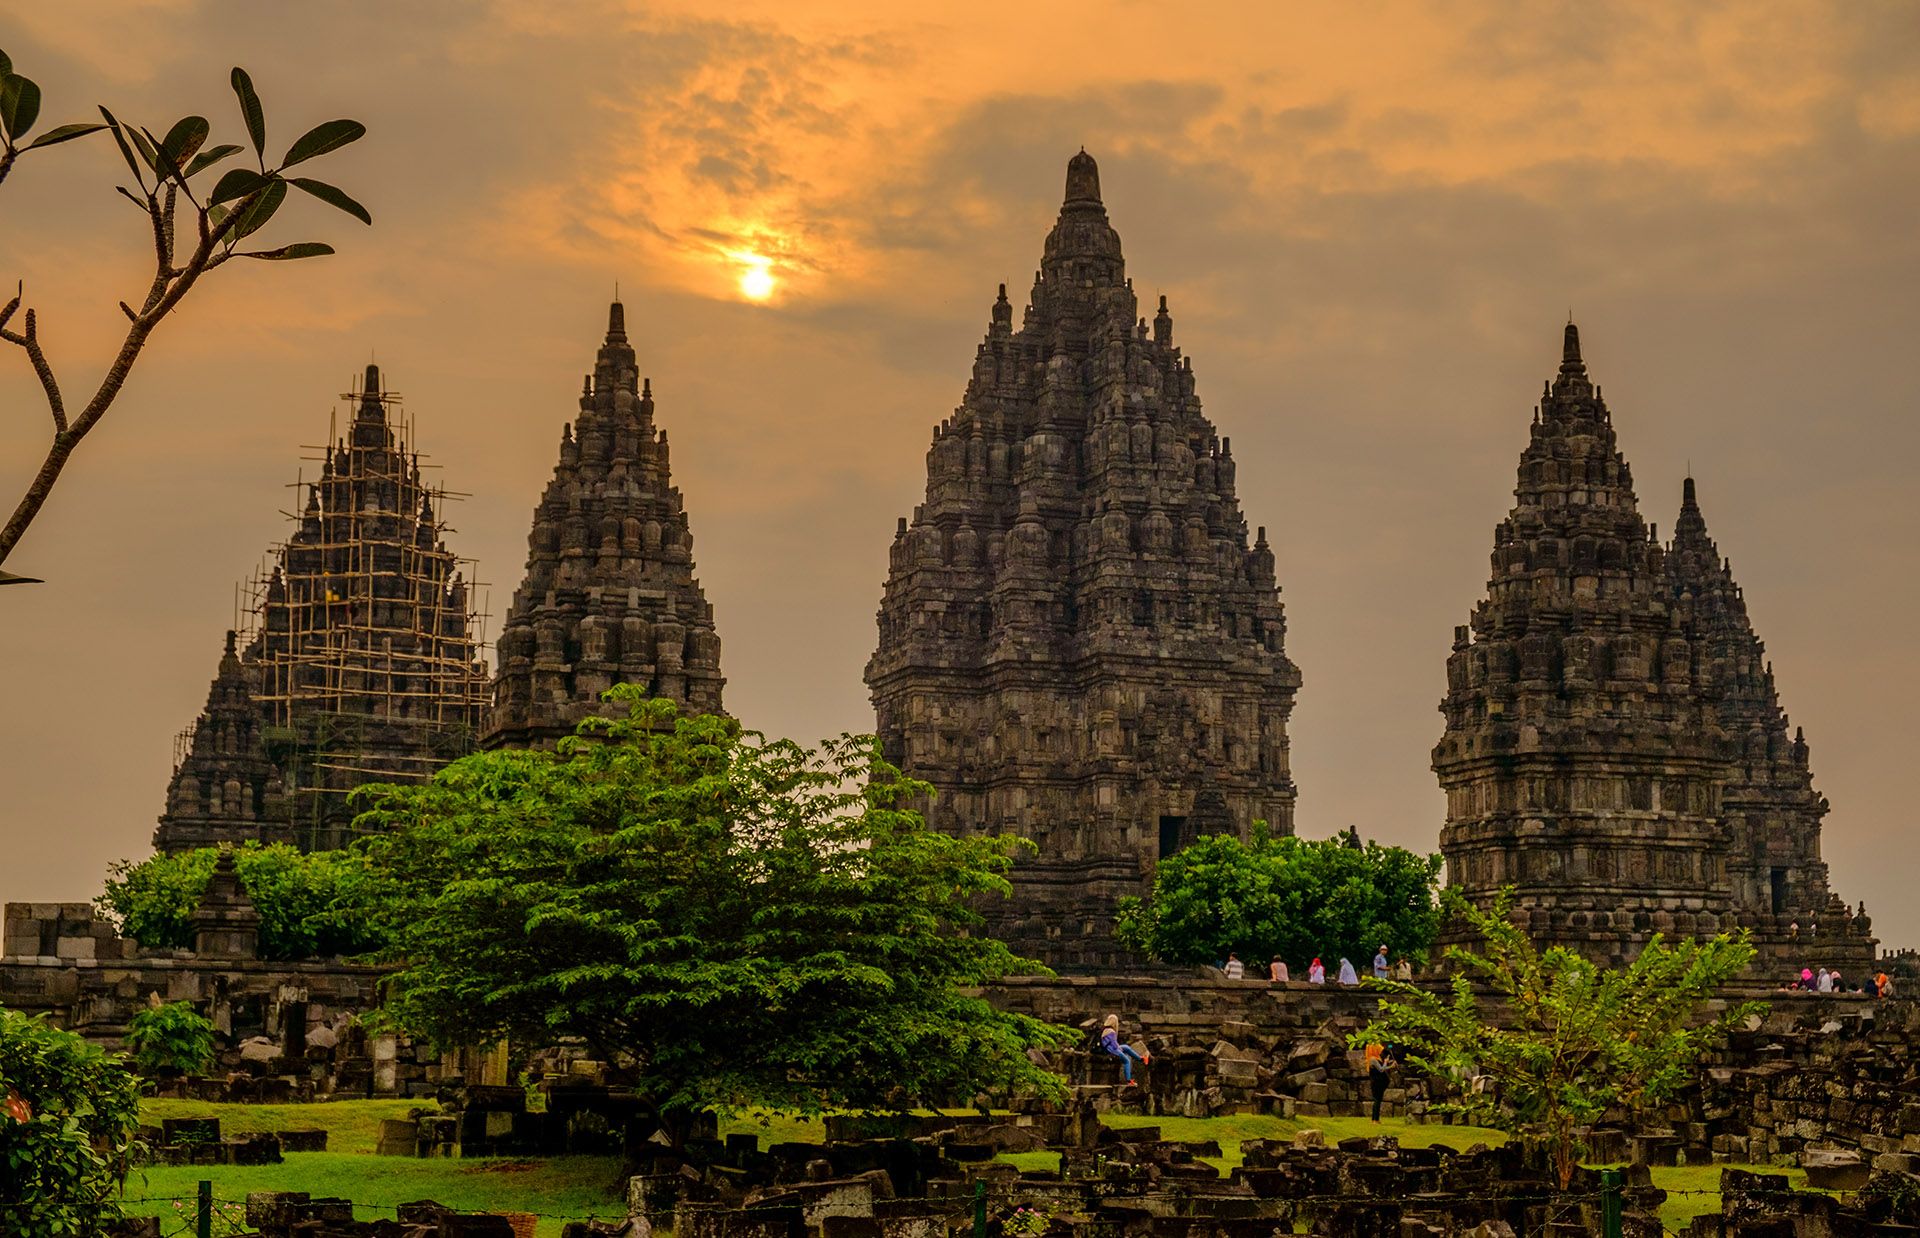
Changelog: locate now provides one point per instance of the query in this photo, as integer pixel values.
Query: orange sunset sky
(1370, 221)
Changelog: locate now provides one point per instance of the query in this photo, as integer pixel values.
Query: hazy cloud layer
(1369, 222)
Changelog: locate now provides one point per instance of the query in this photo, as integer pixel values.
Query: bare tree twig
(31, 342)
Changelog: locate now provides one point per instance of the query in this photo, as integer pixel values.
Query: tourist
(1111, 1042)
(1277, 971)
(1317, 973)
(1348, 976)
(1380, 963)
(1824, 981)
(1886, 985)
(1379, 1074)
(1235, 969)
(1403, 970)
(1806, 978)
(1838, 985)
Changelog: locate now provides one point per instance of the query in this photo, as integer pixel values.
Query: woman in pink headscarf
(1317, 974)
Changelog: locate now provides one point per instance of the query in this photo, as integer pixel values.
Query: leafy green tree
(68, 1115)
(1569, 1043)
(1284, 896)
(732, 922)
(310, 904)
(171, 1038)
(195, 228)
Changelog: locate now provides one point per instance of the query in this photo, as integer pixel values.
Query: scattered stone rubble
(1836, 1090)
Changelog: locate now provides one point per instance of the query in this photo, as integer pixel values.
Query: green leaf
(143, 142)
(207, 158)
(120, 140)
(19, 104)
(187, 136)
(322, 138)
(250, 109)
(65, 133)
(255, 217)
(237, 183)
(300, 249)
(6, 65)
(332, 197)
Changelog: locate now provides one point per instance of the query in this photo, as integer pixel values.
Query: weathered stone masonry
(609, 595)
(1614, 748)
(1077, 643)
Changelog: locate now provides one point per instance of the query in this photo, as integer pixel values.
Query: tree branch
(169, 285)
(31, 342)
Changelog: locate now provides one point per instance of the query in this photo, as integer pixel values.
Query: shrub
(171, 1039)
(1285, 896)
(68, 1113)
(309, 904)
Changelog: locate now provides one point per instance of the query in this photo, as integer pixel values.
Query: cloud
(1369, 232)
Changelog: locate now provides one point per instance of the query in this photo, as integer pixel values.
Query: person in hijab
(1111, 1042)
(1806, 978)
(1824, 981)
(1347, 975)
(1317, 973)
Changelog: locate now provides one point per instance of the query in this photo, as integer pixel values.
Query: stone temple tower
(1582, 763)
(1077, 643)
(361, 664)
(1614, 747)
(609, 596)
(1772, 812)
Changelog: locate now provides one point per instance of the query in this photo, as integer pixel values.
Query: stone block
(1834, 1170)
(398, 1137)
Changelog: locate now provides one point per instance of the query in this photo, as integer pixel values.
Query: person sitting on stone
(1806, 978)
(1347, 975)
(1824, 981)
(1277, 971)
(1128, 1055)
(1317, 972)
(1403, 970)
(1235, 969)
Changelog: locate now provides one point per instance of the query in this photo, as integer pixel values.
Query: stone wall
(289, 1028)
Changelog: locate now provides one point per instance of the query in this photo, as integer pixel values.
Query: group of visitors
(1824, 981)
(1380, 1061)
(1277, 972)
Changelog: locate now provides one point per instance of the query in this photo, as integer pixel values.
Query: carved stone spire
(361, 667)
(1772, 811)
(1077, 642)
(1581, 763)
(609, 595)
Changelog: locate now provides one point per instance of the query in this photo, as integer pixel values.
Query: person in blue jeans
(1110, 1041)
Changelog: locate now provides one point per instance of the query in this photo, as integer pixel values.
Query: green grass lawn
(558, 1188)
(351, 1125)
(580, 1186)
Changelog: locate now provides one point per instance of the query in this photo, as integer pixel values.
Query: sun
(756, 279)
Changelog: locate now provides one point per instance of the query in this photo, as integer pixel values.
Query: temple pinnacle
(1570, 362)
(1083, 180)
(617, 323)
